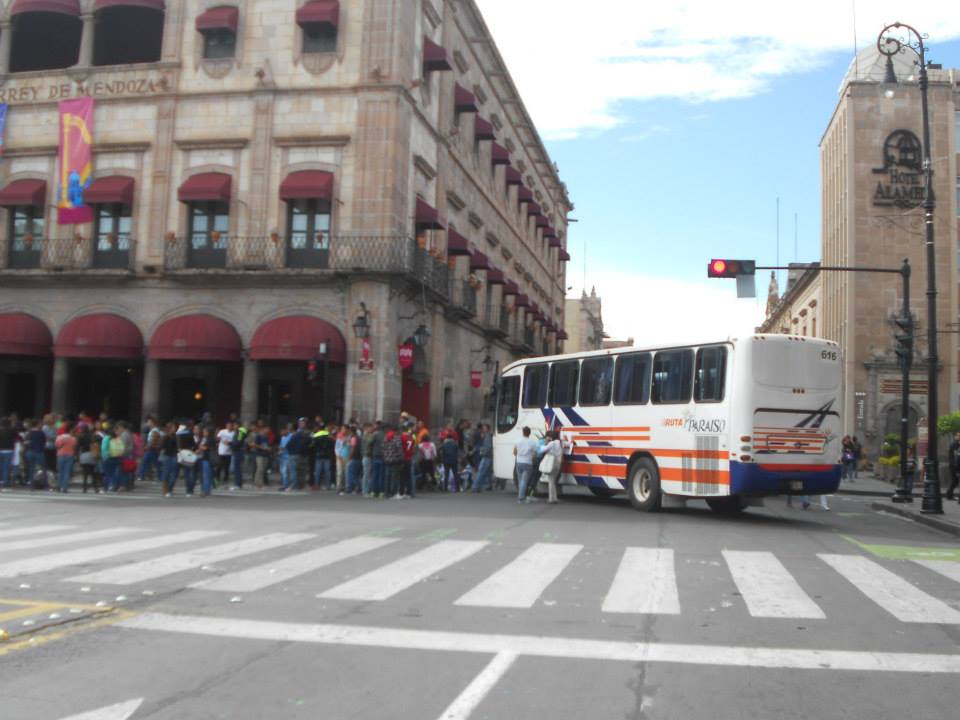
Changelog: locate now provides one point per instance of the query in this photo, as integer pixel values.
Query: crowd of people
(374, 459)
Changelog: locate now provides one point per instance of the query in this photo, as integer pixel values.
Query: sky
(679, 126)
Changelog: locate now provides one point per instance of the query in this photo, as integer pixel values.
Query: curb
(866, 493)
(930, 521)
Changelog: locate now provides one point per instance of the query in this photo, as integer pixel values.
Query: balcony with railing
(496, 321)
(75, 254)
(463, 299)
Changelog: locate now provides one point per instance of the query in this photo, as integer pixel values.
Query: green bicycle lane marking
(439, 534)
(906, 552)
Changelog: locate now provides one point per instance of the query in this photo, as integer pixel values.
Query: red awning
(533, 209)
(463, 99)
(101, 335)
(562, 335)
(150, 4)
(510, 288)
(113, 189)
(457, 244)
(195, 337)
(298, 337)
(499, 155)
(564, 256)
(554, 242)
(434, 57)
(549, 232)
(483, 130)
(63, 7)
(219, 18)
(522, 301)
(24, 192)
(205, 186)
(479, 261)
(524, 194)
(495, 277)
(513, 176)
(22, 334)
(427, 217)
(307, 184)
(542, 221)
(319, 11)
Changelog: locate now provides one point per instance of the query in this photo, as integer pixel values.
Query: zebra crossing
(646, 580)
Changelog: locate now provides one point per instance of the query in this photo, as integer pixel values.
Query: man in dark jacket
(450, 457)
(954, 457)
(325, 456)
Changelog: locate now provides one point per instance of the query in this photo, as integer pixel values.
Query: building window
(219, 44)
(111, 232)
(25, 230)
(44, 41)
(209, 223)
(319, 38)
(308, 232)
(113, 42)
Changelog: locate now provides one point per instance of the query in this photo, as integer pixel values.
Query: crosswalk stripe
(646, 582)
(178, 562)
(93, 553)
(947, 568)
(767, 587)
(262, 576)
(33, 530)
(67, 539)
(520, 583)
(387, 581)
(890, 591)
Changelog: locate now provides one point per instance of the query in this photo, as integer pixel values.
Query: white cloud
(574, 61)
(654, 310)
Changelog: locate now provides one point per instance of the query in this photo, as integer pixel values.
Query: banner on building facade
(365, 363)
(75, 161)
(406, 356)
(3, 126)
(476, 378)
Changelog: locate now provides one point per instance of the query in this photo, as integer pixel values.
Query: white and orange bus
(728, 422)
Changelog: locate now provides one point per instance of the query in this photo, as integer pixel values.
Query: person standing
(393, 458)
(206, 441)
(283, 458)
(857, 455)
(408, 475)
(225, 453)
(449, 458)
(260, 446)
(86, 449)
(428, 461)
(354, 464)
(66, 446)
(376, 455)
(551, 464)
(187, 455)
(366, 452)
(953, 456)
(525, 452)
(324, 448)
(485, 454)
(168, 461)
(237, 455)
(153, 437)
(8, 442)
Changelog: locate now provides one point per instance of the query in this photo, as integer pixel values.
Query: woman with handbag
(169, 469)
(550, 464)
(187, 456)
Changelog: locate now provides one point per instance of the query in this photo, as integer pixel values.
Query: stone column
(150, 404)
(85, 58)
(6, 38)
(250, 390)
(59, 395)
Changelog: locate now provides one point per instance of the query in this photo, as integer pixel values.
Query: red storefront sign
(476, 378)
(406, 356)
(365, 362)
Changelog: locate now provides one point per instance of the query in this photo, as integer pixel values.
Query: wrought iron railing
(71, 254)
(463, 296)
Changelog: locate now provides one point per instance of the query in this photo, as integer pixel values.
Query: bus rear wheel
(643, 486)
(730, 505)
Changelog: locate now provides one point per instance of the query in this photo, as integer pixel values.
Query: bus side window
(672, 376)
(596, 381)
(711, 374)
(507, 402)
(563, 383)
(535, 386)
(632, 385)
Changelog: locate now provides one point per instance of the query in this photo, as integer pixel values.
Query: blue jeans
(324, 467)
(190, 476)
(414, 470)
(523, 478)
(168, 472)
(151, 458)
(379, 473)
(367, 465)
(6, 462)
(64, 471)
(483, 474)
(288, 472)
(236, 463)
(354, 474)
(206, 476)
(111, 473)
(34, 461)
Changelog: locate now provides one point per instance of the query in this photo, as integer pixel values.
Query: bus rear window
(711, 374)
(507, 400)
(632, 386)
(535, 386)
(672, 376)
(563, 383)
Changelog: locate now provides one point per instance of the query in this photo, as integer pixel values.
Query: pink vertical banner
(75, 161)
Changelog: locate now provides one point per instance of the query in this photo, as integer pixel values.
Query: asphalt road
(316, 606)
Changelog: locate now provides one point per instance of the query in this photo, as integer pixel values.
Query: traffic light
(312, 371)
(904, 339)
(724, 268)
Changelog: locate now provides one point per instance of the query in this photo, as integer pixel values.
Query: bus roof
(772, 337)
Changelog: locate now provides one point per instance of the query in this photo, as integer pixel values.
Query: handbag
(128, 465)
(187, 457)
(548, 464)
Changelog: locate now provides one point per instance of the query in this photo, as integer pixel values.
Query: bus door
(595, 459)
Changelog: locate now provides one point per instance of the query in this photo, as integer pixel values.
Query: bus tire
(643, 485)
(730, 505)
(601, 492)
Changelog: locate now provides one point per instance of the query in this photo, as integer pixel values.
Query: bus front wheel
(644, 485)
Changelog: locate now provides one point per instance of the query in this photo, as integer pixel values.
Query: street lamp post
(894, 39)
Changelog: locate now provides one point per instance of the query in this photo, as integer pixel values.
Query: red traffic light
(718, 268)
(724, 268)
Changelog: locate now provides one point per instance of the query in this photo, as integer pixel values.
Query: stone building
(871, 165)
(797, 311)
(285, 192)
(584, 322)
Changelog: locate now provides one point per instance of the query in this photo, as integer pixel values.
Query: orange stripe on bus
(622, 451)
(610, 438)
(596, 470)
(587, 429)
(706, 477)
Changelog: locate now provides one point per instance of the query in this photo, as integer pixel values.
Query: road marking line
(68, 538)
(33, 530)
(646, 582)
(33, 609)
(768, 588)
(947, 568)
(521, 582)
(387, 581)
(178, 562)
(94, 553)
(898, 597)
(476, 691)
(555, 647)
(113, 616)
(262, 576)
(120, 711)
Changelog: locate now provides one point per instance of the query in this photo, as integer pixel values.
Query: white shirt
(226, 439)
(526, 451)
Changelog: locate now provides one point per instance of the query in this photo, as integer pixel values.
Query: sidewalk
(883, 490)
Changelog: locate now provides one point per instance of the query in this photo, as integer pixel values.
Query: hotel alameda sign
(902, 185)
